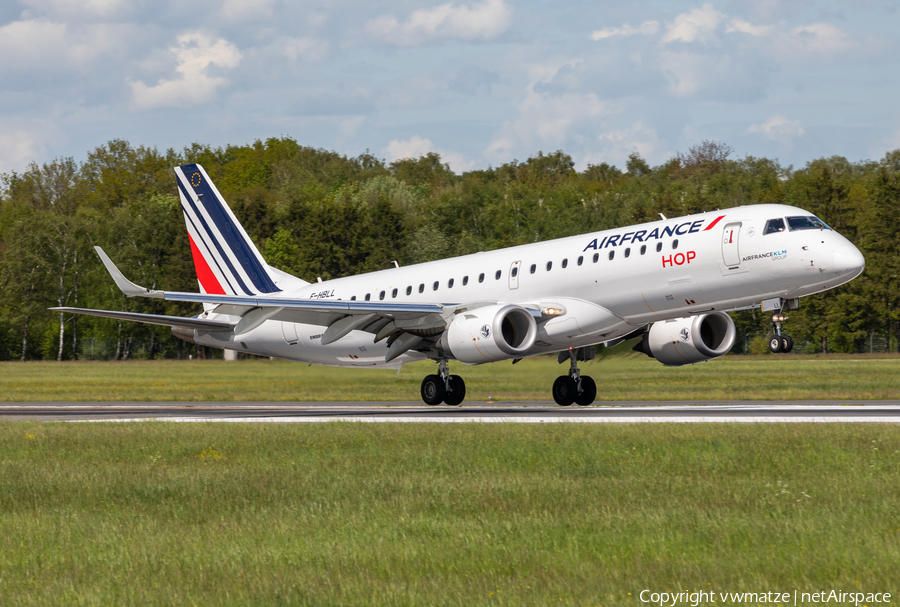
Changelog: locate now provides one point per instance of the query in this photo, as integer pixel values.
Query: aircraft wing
(154, 319)
(254, 310)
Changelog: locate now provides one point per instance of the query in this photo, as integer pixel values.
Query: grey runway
(523, 412)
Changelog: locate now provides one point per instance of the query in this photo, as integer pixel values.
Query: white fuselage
(719, 261)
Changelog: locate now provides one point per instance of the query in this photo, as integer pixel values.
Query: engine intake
(491, 333)
(685, 341)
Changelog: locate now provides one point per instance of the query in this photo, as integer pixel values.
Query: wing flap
(154, 319)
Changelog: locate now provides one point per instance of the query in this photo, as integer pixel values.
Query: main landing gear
(443, 387)
(574, 387)
(780, 342)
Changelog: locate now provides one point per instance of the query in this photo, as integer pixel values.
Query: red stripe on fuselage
(715, 221)
(204, 273)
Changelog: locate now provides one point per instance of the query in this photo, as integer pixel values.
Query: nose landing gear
(780, 342)
(443, 387)
(575, 387)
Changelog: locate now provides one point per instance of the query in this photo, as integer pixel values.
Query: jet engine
(490, 333)
(685, 341)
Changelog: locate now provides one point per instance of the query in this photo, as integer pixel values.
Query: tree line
(316, 213)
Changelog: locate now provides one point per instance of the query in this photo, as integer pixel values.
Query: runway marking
(509, 419)
(534, 412)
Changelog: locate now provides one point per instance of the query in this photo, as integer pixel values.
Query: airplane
(669, 282)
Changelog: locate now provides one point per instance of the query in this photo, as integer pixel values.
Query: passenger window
(497, 275)
(611, 255)
(643, 249)
(774, 226)
(658, 247)
(549, 265)
(394, 293)
(675, 244)
(409, 290)
(353, 298)
(515, 271)
(596, 257)
(368, 296)
(436, 285)
(381, 295)
(565, 263)
(580, 259)
(465, 280)
(450, 284)
(628, 252)
(481, 277)
(533, 267)
(422, 288)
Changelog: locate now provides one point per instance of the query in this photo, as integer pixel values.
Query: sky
(481, 82)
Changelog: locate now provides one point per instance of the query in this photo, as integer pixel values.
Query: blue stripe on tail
(242, 250)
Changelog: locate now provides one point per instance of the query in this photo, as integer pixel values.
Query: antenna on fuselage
(663, 217)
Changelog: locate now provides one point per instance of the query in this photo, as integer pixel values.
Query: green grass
(617, 377)
(429, 514)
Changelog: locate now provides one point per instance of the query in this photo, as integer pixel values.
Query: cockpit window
(806, 223)
(774, 225)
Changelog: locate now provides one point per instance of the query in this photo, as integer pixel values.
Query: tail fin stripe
(205, 275)
(201, 241)
(205, 229)
(246, 257)
(202, 248)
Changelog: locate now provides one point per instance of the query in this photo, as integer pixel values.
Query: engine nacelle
(491, 333)
(694, 339)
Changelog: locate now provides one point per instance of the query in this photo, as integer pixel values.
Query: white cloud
(37, 46)
(416, 146)
(696, 25)
(618, 144)
(821, 38)
(483, 21)
(647, 28)
(547, 122)
(745, 27)
(195, 53)
(778, 128)
(18, 148)
(77, 8)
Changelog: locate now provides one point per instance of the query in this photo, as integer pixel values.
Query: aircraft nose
(849, 261)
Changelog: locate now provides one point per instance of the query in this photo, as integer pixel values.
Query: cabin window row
(434, 287)
(515, 272)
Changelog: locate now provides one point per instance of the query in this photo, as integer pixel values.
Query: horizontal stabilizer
(154, 319)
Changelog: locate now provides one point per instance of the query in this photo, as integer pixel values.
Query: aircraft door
(514, 274)
(289, 330)
(731, 254)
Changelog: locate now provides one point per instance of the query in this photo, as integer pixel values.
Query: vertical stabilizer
(226, 260)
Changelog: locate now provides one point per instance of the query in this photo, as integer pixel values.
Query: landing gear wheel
(588, 391)
(787, 344)
(776, 345)
(433, 390)
(457, 393)
(564, 390)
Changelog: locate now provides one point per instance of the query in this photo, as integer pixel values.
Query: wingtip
(128, 288)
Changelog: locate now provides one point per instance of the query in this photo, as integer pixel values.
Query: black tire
(564, 390)
(775, 344)
(787, 344)
(457, 393)
(433, 390)
(588, 391)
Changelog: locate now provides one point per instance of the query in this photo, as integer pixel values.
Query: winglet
(128, 288)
